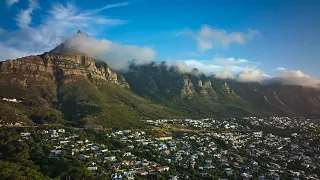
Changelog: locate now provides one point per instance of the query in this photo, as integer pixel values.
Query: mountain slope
(56, 86)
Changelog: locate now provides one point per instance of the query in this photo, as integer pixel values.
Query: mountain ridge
(65, 86)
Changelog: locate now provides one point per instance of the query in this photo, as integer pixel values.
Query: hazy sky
(265, 37)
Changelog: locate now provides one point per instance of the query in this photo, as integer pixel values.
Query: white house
(61, 130)
(92, 168)
(11, 100)
(110, 158)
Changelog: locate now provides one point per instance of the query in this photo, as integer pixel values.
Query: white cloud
(222, 68)
(243, 74)
(69, 16)
(24, 17)
(251, 75)
(11, 53)
(181, 65)
(209, 38)
(281, 69)
(108, 6)
(230, 61)
(297, 77)
(116, 55)
(292, 77)
(11, 2)
(293, 74)
(205, 68)
(60, 22)
(224, 75)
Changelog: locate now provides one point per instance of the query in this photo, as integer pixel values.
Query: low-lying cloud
(295, 77)
(118, 56)
(251, 75)
(230, 68)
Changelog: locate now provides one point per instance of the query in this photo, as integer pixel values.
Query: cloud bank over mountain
(295, 77)
(118, 56)
(241, 70)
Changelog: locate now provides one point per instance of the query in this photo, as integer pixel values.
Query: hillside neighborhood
(229, 148)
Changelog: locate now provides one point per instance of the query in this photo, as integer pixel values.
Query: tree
(12, 171)
(77, 173)
(12, 148)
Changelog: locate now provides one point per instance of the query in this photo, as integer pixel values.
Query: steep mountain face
(200, 95)
(282, 100)
(65, 86)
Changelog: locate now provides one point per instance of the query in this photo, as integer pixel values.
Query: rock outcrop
(226, 89)
(52, 66)
(206, 89)
(188, 88)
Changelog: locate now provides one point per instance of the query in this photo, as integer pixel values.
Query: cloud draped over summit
(230, 68)
(295, 77)
(118, 56)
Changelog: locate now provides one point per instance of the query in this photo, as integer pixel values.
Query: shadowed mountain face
(201, 95)
(64, 86)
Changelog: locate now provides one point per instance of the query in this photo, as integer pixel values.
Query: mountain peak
(65, 47)
(79, 32)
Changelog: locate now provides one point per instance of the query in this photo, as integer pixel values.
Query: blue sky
(227, 37)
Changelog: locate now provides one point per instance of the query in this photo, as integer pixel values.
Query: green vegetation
(28, 159)
(11, 171)
(76, 101)
(106, 104)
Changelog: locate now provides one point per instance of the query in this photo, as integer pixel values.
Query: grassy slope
(37, 101)
(80, 101)
(106, 104)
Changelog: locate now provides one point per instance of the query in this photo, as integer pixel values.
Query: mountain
(64, 86)
(208, 96)
(69, 87)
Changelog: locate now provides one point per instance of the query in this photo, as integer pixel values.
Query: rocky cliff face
(28, 67)
(52, 66)
(206, 89)
(187, 89)
(226, 89)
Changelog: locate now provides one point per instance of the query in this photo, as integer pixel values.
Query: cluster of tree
(28, 159)
(53, 117)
